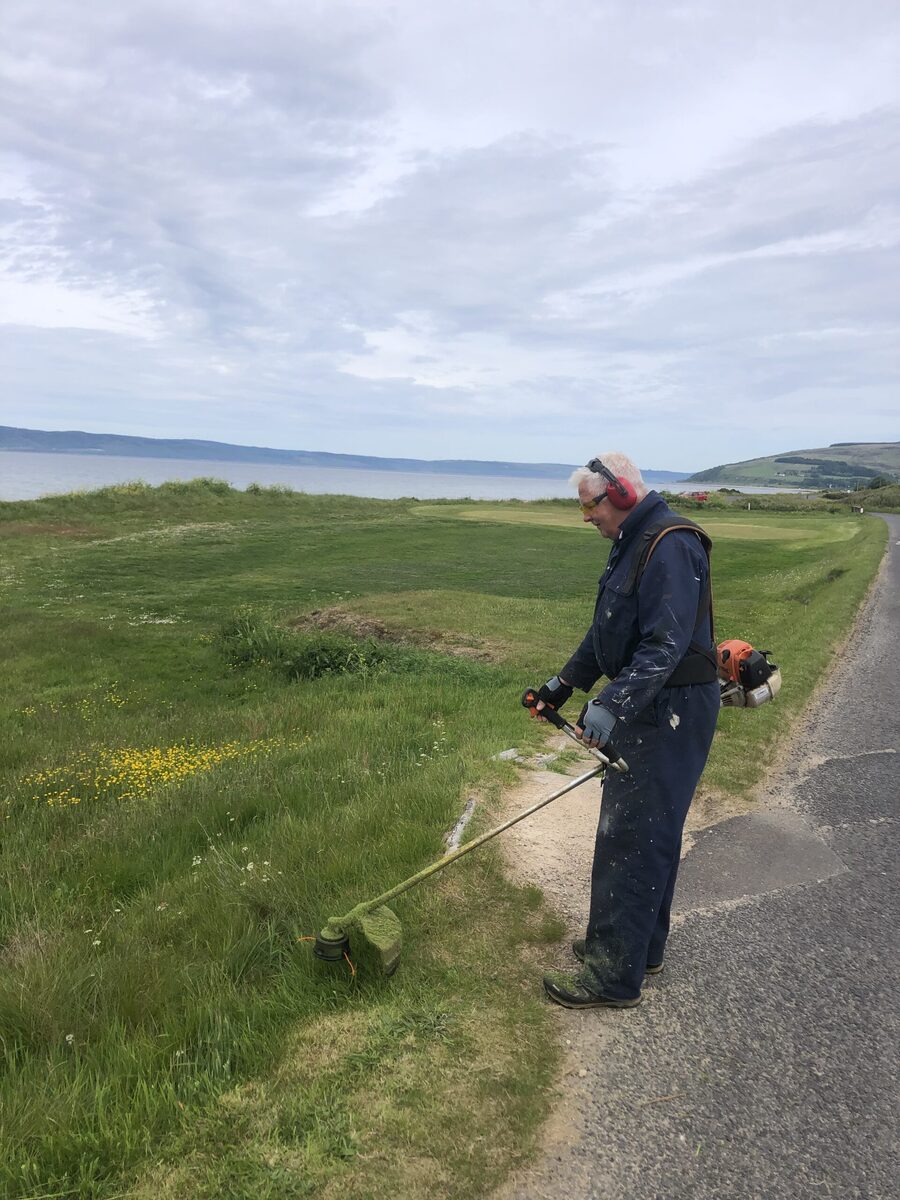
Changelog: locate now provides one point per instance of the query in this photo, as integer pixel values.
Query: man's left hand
(595, 725)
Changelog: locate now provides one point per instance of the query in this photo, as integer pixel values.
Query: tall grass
(250, 638)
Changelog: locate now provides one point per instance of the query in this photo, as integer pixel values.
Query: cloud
(478, 226)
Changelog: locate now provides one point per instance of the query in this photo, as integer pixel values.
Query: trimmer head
(379, 928)
(331, 948)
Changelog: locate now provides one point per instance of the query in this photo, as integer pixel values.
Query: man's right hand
(555, 692)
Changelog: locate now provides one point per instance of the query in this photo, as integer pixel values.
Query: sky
(524, 230)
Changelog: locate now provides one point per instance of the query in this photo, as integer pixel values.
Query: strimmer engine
(746, 677)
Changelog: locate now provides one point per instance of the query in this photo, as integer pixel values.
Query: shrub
(272, 489)
(252, 639)
(204, 484)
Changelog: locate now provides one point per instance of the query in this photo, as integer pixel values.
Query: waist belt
(697, 666)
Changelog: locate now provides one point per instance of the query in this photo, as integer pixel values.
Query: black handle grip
(548, 712)
(611, 752)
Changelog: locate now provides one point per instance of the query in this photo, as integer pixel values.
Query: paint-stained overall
(636, 639)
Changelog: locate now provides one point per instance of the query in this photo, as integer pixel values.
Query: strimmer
(379, 926)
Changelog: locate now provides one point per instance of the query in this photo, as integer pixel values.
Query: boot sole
(599, 1003)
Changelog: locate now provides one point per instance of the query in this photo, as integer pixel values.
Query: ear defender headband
(620, 493)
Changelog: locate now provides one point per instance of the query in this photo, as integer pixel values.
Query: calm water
(24, 476)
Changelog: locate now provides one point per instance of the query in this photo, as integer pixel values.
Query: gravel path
(764, 1061)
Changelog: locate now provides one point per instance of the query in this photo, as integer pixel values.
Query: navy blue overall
(637, 638)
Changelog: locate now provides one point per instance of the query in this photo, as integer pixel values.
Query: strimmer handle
(609, 752)
(548, 712)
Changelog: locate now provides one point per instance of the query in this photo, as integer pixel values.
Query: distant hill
(110, 444)
(840, 465)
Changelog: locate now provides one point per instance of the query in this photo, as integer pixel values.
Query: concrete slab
(751, 855)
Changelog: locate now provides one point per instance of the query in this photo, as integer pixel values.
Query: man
(651, 636)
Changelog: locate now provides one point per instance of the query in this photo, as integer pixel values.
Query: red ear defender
(620, 492)
(624, 498)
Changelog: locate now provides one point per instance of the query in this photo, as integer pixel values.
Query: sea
(26, 475)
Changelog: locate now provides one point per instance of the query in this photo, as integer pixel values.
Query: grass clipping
(380, 928)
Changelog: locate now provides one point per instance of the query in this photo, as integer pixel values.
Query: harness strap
(699, 664)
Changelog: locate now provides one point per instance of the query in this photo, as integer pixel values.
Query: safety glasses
(588, 508)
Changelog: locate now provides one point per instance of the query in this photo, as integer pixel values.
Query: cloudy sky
(504, 229)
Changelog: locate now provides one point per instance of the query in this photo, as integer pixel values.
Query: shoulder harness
(699, 665)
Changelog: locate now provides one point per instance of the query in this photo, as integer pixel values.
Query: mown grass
(194, 777)
(718, 523)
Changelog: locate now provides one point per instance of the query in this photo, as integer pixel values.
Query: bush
(250, 639)
(204, 484)
(253, 640)
(310, 655)
(885, 499)
(272, 489)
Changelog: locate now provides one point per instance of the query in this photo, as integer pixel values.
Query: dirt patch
(555, 847)
(344, 620)
(53, 528)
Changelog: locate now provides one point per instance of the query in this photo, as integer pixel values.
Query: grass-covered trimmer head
(379, 927)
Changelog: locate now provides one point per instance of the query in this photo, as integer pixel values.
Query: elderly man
(651, 636)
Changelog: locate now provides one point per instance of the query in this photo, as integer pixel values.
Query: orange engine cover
(731, 654)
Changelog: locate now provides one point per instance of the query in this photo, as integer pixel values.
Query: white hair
(619, 464)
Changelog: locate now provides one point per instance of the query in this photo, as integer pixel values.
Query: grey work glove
(595, 725)
(554, 692)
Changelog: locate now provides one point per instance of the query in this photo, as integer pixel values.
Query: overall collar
(651, 505)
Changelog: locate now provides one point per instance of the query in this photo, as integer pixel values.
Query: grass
(718, 524)
(196, 774)
(885, 499)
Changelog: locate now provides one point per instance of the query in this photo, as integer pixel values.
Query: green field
(719, 525)
(183, 801)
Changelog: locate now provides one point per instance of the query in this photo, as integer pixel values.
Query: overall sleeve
(582, 670)
(669, 594)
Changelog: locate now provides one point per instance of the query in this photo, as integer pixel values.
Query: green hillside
(841, 465)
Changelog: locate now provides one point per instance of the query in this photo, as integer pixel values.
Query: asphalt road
(764, 1061)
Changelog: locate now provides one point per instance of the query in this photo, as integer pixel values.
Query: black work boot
(567, 991)
(578, 951)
